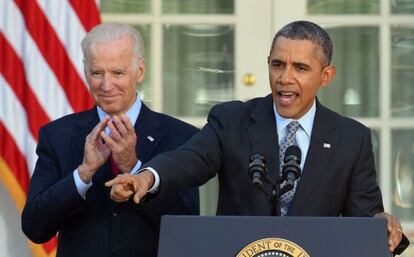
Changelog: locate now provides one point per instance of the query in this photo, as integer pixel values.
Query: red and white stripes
(41, 78)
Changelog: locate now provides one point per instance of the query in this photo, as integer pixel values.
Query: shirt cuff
(80, 185)
(135, 170)
(154, 188)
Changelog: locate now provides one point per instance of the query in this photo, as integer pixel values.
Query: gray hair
(107, 32)
(306, 30)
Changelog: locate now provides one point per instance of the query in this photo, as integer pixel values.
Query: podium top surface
(246, 236)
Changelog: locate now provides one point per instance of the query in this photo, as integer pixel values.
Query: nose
(106, 84)
(286, 76)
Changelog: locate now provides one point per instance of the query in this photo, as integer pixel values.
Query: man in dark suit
(80, 152)
(338, 169)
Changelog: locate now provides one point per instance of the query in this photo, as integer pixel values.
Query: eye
(96, 74)
(301, 67)
(118, 73)
(277, 64)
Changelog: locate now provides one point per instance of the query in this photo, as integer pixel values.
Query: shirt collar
(306, 122)
(132, 113)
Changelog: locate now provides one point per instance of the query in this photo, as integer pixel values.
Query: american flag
(41, 79)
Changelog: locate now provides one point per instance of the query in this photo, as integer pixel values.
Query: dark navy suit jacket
(338, 178)
(97, 226)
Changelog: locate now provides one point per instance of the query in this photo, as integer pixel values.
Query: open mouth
(287, 98)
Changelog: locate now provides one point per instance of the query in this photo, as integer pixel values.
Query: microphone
(291, 167)
(257, 170)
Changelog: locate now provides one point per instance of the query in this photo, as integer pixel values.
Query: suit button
(115, 249)
(115, 211)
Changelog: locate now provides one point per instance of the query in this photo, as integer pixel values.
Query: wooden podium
(246, 236)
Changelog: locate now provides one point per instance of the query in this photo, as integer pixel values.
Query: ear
(141, 71)
(87, 73)
(328, 74)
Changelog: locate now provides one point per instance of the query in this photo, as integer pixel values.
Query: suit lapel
(85, 123)
(149, 133)
(320, 151)
(262, 134)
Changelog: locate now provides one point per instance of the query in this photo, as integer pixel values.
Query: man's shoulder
(173, 123)
(70, 119)
(242, 107)
(342, 121)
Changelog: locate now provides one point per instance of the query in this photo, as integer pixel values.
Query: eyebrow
(273, 61)
(302, 64)
(119, 69)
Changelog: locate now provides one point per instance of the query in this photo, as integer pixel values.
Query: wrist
(130, 167)
(85, 173)
(149, 178)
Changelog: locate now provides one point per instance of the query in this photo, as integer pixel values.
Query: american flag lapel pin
(150, 138)
(326, 145)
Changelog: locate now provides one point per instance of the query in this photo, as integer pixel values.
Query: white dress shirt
(303, 134)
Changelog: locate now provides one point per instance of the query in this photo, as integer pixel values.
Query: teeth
(286, 94)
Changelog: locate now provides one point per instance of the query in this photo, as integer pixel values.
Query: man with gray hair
(337, 175)
(80, 152)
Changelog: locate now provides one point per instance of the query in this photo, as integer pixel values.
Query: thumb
(141, 192)
(137, 198)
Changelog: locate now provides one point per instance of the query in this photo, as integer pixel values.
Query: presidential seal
(272, 247)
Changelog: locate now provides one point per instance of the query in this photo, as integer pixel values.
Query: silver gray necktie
(287, 141)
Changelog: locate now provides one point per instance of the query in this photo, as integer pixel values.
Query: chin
(287, 112)
(109, 110)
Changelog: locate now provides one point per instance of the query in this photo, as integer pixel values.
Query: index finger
(98, 128)
(127, 122)
(121, 179)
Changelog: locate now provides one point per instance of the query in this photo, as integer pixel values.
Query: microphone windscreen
(293, 150)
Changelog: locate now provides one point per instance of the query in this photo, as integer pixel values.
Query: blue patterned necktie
(287, 141)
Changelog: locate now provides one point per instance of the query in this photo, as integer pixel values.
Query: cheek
(125, 87)
(131, 84)
(94, 86)
(273, 77)
(308, 89)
